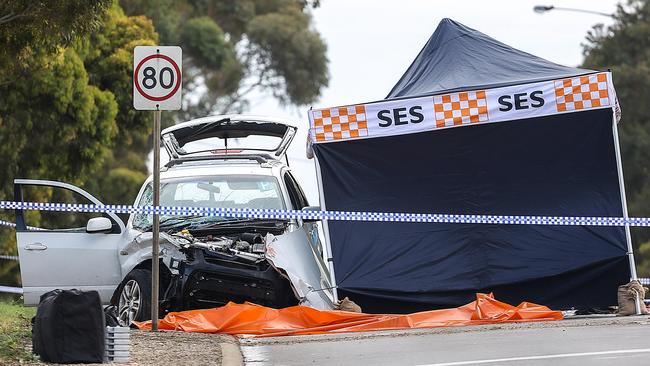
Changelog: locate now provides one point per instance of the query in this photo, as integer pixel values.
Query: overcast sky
(371, 43)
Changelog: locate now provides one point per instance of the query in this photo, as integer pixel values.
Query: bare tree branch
(13, 16)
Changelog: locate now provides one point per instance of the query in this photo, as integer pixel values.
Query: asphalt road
(594, 342)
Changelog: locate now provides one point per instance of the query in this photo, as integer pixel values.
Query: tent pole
(621, 183)
(326, 231)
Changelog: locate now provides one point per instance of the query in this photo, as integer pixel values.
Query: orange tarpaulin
(254, 320)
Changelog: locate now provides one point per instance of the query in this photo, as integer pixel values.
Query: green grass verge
(15, 333)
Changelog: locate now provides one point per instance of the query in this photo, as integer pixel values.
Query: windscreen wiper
(263, 223)
(172, 222)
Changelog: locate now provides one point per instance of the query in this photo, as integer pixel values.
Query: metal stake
(155, 250)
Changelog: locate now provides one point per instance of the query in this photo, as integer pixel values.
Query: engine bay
(215, 267)
(246, 247)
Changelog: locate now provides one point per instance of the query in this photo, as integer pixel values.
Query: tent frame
(326, 231)
(621, 183)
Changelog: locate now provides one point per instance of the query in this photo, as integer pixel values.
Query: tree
(624, 47)
(108, 57)
(234, 47)
(65, 95)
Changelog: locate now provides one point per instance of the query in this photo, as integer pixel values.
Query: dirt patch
(166, 348)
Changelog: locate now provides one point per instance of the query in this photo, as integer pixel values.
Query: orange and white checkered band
(460, 108)
(339, 123)
(589, 91)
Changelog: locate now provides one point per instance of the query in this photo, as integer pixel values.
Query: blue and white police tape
(7, 223)
(644, 280)
(11, 224)
(332, 215)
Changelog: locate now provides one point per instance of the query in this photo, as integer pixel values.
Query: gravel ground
(176, 348)
(171, 348)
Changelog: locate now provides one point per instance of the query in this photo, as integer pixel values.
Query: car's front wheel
(135, 297)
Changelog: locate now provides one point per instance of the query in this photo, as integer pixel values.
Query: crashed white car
(206, 261)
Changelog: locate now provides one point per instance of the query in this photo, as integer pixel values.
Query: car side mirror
(310, 209)
(98, 225)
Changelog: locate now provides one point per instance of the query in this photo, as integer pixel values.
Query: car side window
(296, 196)
(55, 220)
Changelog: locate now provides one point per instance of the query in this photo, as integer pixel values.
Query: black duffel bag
(69, 327)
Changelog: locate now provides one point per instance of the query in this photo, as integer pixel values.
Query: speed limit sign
(157, 77)
(157, 80)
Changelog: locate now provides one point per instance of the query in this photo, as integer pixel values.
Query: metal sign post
(155, 251)
(156, 86)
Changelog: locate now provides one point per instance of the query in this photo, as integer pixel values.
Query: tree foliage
(32, 28)
(624, 48)
(108, 57)
(234, 47)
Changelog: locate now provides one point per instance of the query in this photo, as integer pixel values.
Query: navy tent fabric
(457, 57)
(556, 165)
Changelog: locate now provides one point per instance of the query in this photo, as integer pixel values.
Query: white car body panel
(73, 259)
(289, 253)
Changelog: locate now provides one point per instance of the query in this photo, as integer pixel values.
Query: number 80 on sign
(157, 77)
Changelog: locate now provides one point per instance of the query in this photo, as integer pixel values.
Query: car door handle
(35, 246)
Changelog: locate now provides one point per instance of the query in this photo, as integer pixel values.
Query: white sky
(371, 43)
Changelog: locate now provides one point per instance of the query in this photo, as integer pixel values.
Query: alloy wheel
(129, 303)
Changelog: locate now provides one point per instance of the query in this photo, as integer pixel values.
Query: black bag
(69, 327)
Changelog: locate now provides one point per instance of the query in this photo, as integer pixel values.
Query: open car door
(228, 135)
(65, 249)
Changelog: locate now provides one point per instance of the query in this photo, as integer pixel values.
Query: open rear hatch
(228, 135)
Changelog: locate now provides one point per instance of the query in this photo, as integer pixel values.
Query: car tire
(134, 300)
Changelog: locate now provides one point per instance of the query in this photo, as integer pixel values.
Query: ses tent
(476, 127)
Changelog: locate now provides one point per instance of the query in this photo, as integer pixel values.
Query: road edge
(231, 354)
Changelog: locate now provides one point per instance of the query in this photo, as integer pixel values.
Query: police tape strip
(11, 224)
(11, 290)
(327, 215)
(644, 280)
(7, 223)
(332, 215)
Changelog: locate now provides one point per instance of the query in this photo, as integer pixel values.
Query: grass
(15, 333)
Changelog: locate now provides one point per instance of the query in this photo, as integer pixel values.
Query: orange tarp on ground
(254, 320)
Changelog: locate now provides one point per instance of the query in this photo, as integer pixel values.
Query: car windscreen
(228, 191)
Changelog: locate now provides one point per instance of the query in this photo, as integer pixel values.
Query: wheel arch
(164, 277)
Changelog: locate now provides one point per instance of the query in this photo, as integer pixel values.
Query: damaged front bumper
(203, 274)
(206, 280)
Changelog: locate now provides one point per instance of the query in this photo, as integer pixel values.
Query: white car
(222, 161)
